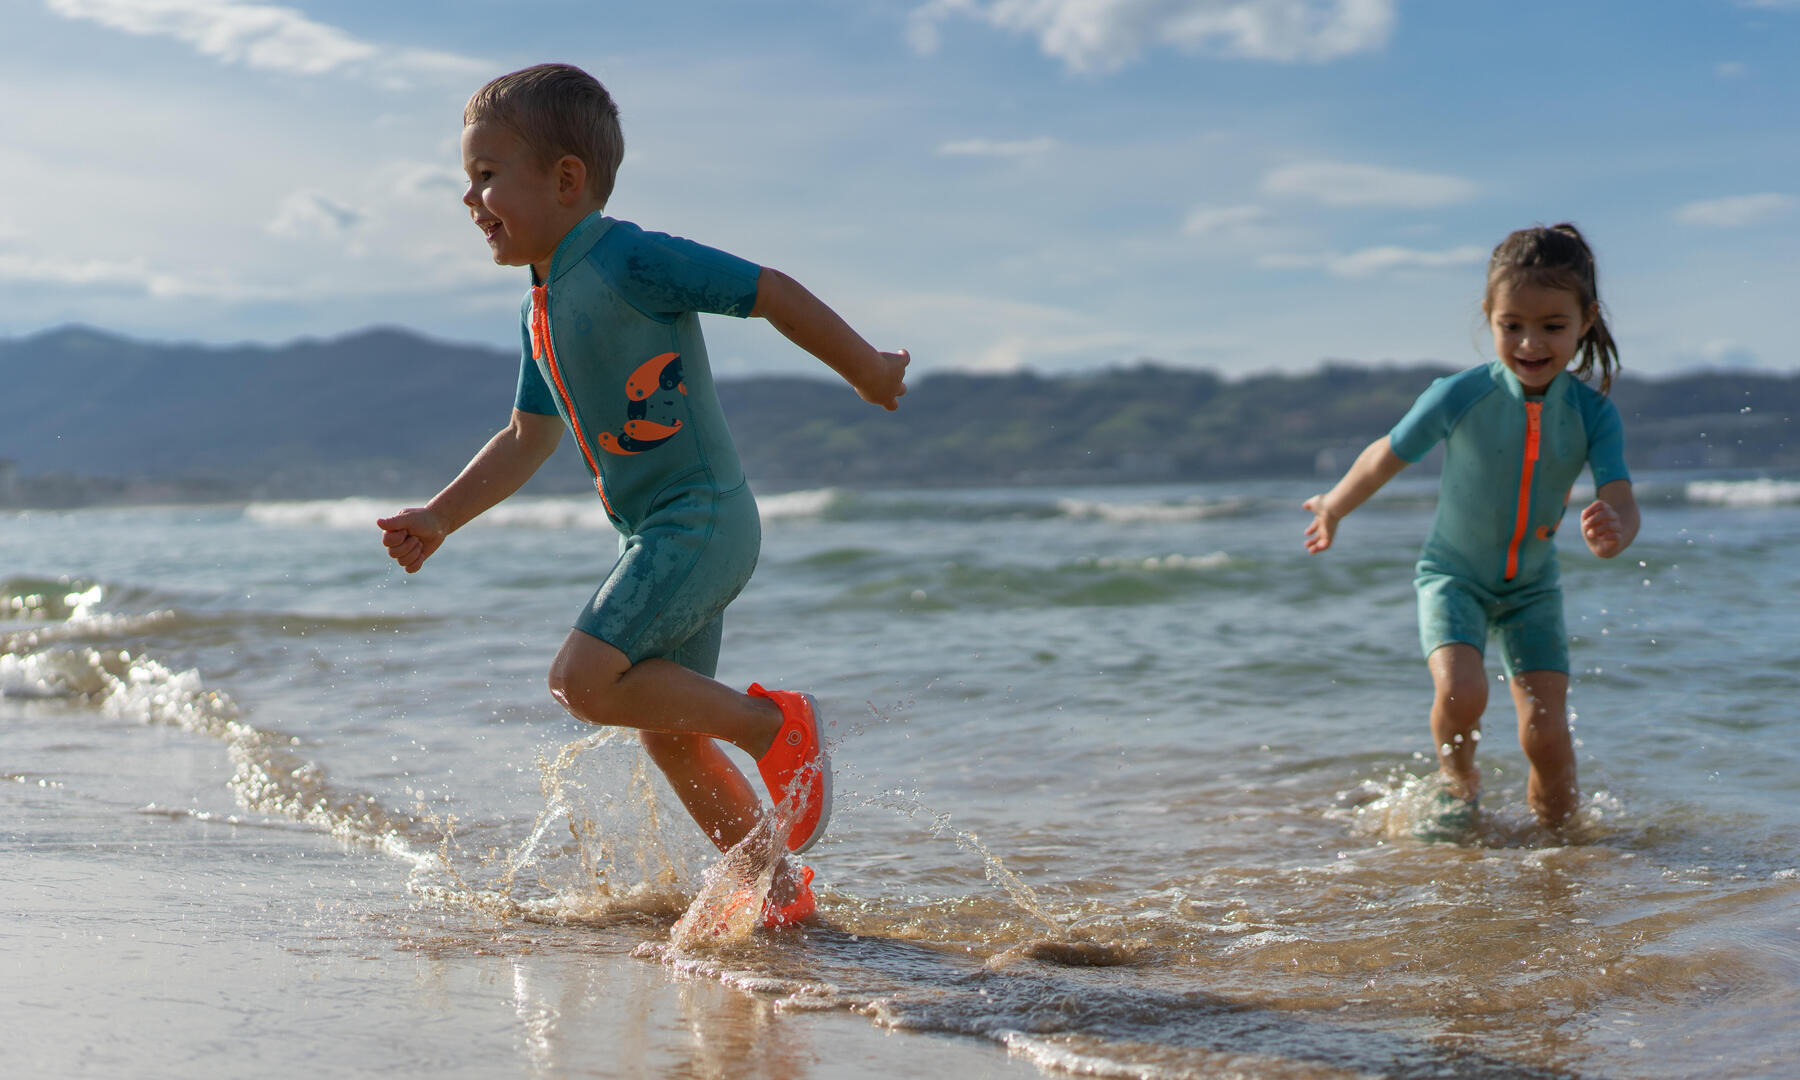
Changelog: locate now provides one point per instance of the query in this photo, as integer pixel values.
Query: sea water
(1125, 782)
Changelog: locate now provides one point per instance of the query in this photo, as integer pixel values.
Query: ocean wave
(809, 503)
(1140, 513)
(25, 599)
(268, 775)
(1743, 494)
(1153, 564)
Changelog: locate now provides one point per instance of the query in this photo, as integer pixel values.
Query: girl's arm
(496, 471)
(879, 377)
(1375, 466)
(1610, 523)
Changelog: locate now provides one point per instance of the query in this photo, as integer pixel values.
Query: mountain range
(87, 416)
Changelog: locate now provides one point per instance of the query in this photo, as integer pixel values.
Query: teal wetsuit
(1510, 461)
(612, 344)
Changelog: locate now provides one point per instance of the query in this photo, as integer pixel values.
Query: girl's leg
(1460, 694)
(1541, 698)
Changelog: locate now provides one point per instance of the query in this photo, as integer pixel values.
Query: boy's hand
(885, 384)
(411, 536)
(1602, 529)
(1324, 525)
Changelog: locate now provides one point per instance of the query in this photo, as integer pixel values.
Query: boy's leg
(677, 711)
(597, 683)
(1541, 698)
(1460, 694)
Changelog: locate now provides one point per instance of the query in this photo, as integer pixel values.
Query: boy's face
(515, 201)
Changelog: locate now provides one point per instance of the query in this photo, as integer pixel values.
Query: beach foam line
(1744, 494)
(1139, 513)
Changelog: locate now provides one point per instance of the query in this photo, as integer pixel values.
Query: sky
(1058, 185)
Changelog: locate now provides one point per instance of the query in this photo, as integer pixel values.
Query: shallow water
(1126, 785)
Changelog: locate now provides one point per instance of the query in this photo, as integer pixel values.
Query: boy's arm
(879, 377)
(1375, 466)
(1610, 523)
(496, 471)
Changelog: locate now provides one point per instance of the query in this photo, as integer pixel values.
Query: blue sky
(1245, 185)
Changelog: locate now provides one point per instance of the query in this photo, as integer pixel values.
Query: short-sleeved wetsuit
(1510, 461)
(612, 344)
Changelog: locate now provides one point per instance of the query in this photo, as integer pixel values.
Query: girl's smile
(1537, 331)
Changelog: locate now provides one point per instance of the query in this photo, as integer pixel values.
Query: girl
(1517, 431)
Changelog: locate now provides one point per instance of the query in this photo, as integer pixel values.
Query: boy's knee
(578, 691)
(664, 745)
(585, 676)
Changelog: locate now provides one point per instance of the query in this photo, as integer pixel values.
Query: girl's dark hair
(1558, 257)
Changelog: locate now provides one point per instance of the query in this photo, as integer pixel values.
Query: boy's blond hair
(557, 109)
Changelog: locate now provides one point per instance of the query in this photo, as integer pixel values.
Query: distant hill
(86, 415)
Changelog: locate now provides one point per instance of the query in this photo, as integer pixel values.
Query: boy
(612, 349)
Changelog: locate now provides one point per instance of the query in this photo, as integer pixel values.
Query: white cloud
(1104, 35)
(1725, 353)
(1376, 260)
(1732, 69)
(1735, 211)
(263, 36)
(421, 179)
(1344, 184)
(1002, 148)
(132, 274)
(312, 213)
(1212, 220)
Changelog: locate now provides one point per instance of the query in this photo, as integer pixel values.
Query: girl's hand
(885, 382)
(1324, 525)
(411, 536)
(1601, 528)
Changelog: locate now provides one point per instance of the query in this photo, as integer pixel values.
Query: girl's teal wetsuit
(612, 344)
(1510, 461)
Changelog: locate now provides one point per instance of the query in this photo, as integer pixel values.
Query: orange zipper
(1534, 414)
(541, 346)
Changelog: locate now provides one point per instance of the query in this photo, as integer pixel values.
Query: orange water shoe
(802, 907)
(796, 768)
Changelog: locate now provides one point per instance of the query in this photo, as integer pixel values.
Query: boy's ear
(571, 179)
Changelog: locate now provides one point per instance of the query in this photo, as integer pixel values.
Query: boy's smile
(517, 203)
(1537, 331)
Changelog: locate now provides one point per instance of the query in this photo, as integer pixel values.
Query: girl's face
(1537, 330)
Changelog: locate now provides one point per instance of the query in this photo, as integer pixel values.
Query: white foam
(330, 513)
(562, 512)
(1052, 1056)
(1218, 560)
(1745, 494)
(359, 514)
(810, 503)
(1150, 512)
